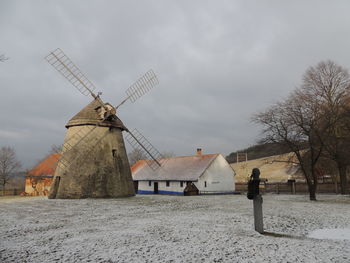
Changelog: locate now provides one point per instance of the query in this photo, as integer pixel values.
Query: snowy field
(171, 229)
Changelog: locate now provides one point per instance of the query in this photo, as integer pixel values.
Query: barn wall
(219, 177)
(173, 188)
(28, 187)
(42, 187)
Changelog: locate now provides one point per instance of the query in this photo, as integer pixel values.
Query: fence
(291, 188)
(11, 192)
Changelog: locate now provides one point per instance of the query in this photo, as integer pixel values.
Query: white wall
(219, 177)
(174, 187)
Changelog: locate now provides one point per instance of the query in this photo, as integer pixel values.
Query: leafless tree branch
(8, 165)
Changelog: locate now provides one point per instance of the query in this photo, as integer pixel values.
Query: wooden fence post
(336, 186)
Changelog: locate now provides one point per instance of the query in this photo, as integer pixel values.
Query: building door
(155, 187)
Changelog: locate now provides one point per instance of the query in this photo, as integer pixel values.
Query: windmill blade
(138, 141)
(60, 162)
(140, 87)
(77, 138)
(71, 144)
(86, 138)
(71, 72)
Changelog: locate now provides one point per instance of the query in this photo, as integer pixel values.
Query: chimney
(199, 151)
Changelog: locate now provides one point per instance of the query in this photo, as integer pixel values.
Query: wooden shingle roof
(89, 116)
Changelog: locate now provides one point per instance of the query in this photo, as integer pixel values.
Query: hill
(276, 169)
(258, 151)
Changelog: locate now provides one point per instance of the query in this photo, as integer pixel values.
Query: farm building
(185, 175)
(39, 179)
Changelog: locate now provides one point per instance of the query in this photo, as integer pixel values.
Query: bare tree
(310, 120)
(329, 84)
(136, 155)
(292, 123)
(8, 165)
(55, 148)
(298, 123)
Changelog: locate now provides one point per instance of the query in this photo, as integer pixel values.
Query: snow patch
(326, 233)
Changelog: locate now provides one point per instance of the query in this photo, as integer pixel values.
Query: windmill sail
(140, 87)
(70, 71)
(138, 141)
(86, 138)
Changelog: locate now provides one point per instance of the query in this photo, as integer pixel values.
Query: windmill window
(181, 184)
(149, 183)
(114, 152)
(167, 183)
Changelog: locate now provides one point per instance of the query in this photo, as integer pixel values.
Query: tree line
(313, 122)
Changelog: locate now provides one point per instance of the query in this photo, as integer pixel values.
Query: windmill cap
(89, 115)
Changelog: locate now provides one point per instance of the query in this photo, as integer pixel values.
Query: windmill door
(155, 188)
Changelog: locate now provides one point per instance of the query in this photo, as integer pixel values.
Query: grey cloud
(218, 62)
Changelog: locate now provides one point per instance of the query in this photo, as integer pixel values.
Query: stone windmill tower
(94, 162)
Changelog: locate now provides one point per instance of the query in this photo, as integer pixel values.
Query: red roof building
(39, 179)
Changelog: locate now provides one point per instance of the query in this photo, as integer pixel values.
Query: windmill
(93, 162)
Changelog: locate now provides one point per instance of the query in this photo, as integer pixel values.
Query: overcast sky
(218, 62)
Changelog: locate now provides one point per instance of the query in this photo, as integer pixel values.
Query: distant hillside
(258, 151)
(275, 169)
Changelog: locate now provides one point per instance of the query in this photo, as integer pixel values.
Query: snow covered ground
(171, 229)
(333, 233)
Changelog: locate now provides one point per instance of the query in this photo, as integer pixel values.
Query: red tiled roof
(46, 167)
(137, 165)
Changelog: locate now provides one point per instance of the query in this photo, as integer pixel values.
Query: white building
(206, 173)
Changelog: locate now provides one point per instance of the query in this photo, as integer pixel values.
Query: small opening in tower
(114, 152)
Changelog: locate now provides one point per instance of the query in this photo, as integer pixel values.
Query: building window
(149, 183)
(181, 184)
(167, 183)
(205, 183)
(114, 152)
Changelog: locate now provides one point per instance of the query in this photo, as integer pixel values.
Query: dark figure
(253, 184)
